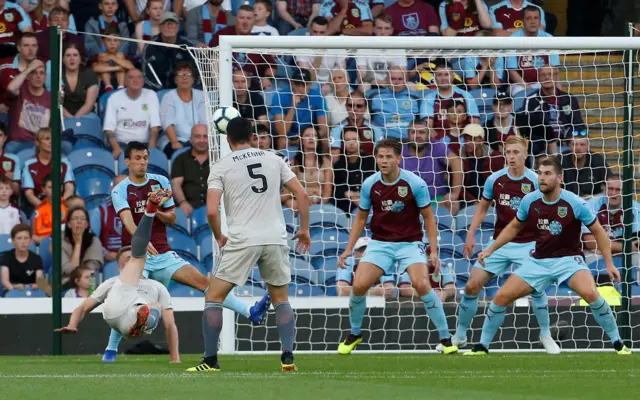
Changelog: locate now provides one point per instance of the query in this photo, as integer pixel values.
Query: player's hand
(614, 274)
(469, 247)
(222, 241)
(304, 241)
(483, 254)
(152, 250)
(66, 329)
(342, 259)
(434, 261)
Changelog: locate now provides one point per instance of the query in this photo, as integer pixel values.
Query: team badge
(145, 107)
(455, 16)
(518, 24)
(468, 22)
(403, 191)
(562, 212)
(6, 165)
(411, 21)
(9, 17)
(3, 28)
(567, 109)
(526, 188)
(406, 105)
(155, 188)
(355, 12)
(367, 134)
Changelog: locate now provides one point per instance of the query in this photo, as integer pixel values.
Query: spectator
(584, 172)
(112, 62)
(59, 17)
(503, 124)
(457, 120)
(147, 29)
(79, 245)
(336, 100)
(295, 109)
(296, 14)
(181, 109)
(75, 201)
(159, 62)
(132, 115)
(80, 84)
(394, 107)
(79, 282)
(14, 20)
(205, 21)
(368, 134)
(433, 162)
(478, 162)
(39, 15)
(313, 167)
(350, 171)
(106, 224)
(374, 70)
(385, 286)
(249, 103)
(508, 16)
(9, 215)
(443, 282)
(42, 216)
(414, 18)
(30, 108)
(463, 17)
(523, 70)
(348, 17)
(10, 163)
(263, 10)
(97, 26)
(480, 71)
(20, 266)
(38, 167)
(190, 171)
(136, 9)
(82, 11)
(322, 64)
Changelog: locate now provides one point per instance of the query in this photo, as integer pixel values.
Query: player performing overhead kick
(555, 216)
(397, 199)
(506, 187)
(132, 305)
(163, 265)
(250, 181)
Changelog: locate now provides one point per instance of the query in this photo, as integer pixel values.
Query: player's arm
(478, 217)
(302, 199)
(213, 212)
(171, 331)
(507, 235)
(590, 243)
(88, 305)
(127, 220)
(602, 241)
(167, 217)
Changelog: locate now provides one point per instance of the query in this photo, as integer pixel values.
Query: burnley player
(555, 216)
(397, 198)
(506, 187)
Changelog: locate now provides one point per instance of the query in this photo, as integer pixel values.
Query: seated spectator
(440, 168)
(395, 106)
(80, 84)
(106, 224)
(350, 171)
(296, 14)
(524, 69)
(10, 163)
(297, 108)
(181, 110)
(249, 103)
(481, 71)
(79, 282)
(38, 167)
(20, 266)
(478, 162)
(336, 100)
(59, 17)
(263, 9)
(111, 62)
(368, 134)
(14, 21)
(42, 217)
(584, 172)
(98, 25)
(79, 245)
(374, 70)
(550, 19)
(414, 18)
(75, 201)
(148, 28)
(190, 171)
(262, 140)
(443, 283)
(385, 286)
(457, 120)
(503, 124)
(463, 17)
(136, 8)
(204, 21)
(9, 215)
(40, 14)
(353, 20)
(313, 167)
(132, 115)
(509, 15)
(323, 61)
(163, 60)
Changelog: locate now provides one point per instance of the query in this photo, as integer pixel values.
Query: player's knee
(358, 289)
(502, 299)
(472, 288)
(422, 287)
(590, 295)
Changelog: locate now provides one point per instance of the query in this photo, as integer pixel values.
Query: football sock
(357, 307)
(466, 311)
(114, 340)
(492, 322)
(141, 238)
(211, 327)
(233, 303)
(604, 317)
(540, 305)
(433, 305)
(286, 323)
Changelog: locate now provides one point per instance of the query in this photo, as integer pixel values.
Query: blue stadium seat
(461, 266)
(304, 290)
(15, 293)
(483, 237)
(178, 152)
(102, 103)
(328, 241)
(5, 243)
(444, 219)
(158, 163)
(182, 244)
(299, 32)
(302, 271)
(182, 221)
(109, 270)
(326, 268)
(250, 291)
(199, 224)
(45, 255)
(95, 188)
(560, 291)
(83, 159)
(484, 98)
(24, 155)
(450, 245)
(180, 290)
(206, 249)
(327, 215)
(289, 219)
(161, 93)
(88, 127)
(330, 290)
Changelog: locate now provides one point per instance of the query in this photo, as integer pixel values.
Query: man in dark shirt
(249, 103)
(59, 16)
(584, 172)
(190, 172)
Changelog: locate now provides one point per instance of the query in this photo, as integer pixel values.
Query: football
(222, 116)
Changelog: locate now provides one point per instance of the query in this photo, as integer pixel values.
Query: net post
(56, 220)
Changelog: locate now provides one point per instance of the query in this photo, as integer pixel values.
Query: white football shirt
(149, 291)
(9, 217)
(131, 119)
(250, 180)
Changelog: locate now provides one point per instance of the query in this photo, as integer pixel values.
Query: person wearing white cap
(478, 161)
(344, 277)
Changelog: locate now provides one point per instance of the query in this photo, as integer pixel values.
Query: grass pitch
(602, 376)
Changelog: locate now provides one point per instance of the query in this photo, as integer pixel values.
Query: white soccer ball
(222, 116)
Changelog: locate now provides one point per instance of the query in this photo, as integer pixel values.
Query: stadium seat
(84, 159)
(444, 219)
(158, 163)
(88, 127)
(304, 290)
(326, 268)
(182, 221)
(451, 245)
(206, 248)
(327, 215)
(302, 271)
(94, 188)
(483, 237)
(178, 152)
(102, 103)
(249, 291)
(484, 98)
(5, 243)
(289, 219)
(560, 291)
(45, 255)
(182, 244)
(461, 266)
(161, 93)
(328, 241)
(199, 224)
(180, 290)
(330, 290)
(109, 270)
(15, 293)
(25, 154)
(299, 32)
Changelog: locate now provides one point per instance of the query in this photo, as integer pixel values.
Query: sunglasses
(582, 133)
(351, 105)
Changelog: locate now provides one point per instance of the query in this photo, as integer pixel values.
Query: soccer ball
(223, 116)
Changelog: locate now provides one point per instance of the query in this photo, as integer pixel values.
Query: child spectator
(42, 218)
(457, 119)
(80, 84)
(9, 215)
(98, 25)
(10, 162)
(263, 10)
(20, 266)
(112, 61)
(79, 245)
(79, 282)
(147, 29)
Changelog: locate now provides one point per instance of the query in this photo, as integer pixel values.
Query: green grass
(602, 376)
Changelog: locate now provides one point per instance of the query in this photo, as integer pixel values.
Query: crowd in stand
(322, 111)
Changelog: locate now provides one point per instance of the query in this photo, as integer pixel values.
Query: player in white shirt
(133, 305)
(250, 180)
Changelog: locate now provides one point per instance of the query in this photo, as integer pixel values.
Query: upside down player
(163, 265)
(556, 216)
(397, 198)
(133, 306)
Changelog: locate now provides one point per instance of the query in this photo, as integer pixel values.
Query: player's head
(515, 151)
(549, 174)
(123, 256)
(532, 20)
(613, 188)
(443, 75)
(136, 155)
(239, 132)
(388, 153)
(21, 237)
(5, 188)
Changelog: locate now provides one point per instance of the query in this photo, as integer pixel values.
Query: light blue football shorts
(384, 255)
(541, 273)
(162, 267)
(500, 260)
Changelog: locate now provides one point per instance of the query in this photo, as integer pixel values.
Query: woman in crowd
(79, 245)
(80, 84)
(312, 168)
